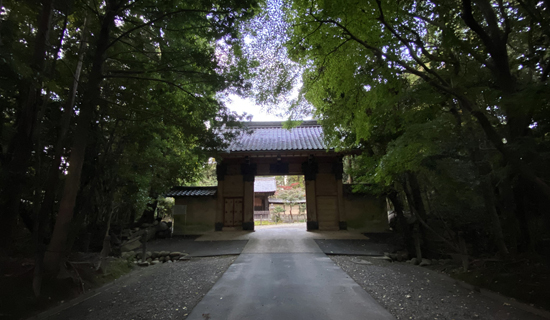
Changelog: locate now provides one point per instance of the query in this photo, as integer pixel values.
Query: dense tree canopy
(105, 105)
(447, 97)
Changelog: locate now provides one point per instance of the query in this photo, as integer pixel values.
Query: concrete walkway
(283, 274)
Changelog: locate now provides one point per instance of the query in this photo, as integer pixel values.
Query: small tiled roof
(191, 192)
(271, 136)
(265, 184)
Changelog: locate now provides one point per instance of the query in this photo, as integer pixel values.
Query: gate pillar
(310, 169)
(248, 171)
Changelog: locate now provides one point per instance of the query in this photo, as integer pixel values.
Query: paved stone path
(283, 274)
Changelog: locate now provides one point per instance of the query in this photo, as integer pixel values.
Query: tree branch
(491, 18)
(407, 44)
(153, 79)
(471, 22)
(162, 16)
(546, 71)
(115, 72)
(506, 21)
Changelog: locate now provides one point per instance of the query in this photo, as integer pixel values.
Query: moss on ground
(114, 269)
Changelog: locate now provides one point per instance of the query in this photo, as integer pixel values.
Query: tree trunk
(488, 195)
(418, 203)
(106, 250)
(414, 197)
(148, 215)
(53, 173)
(401, 220)
(509, 157)
(489, 200)
(507, 206)
(521, 213)
(39, 230)
(21, 145)
(417, 241)
(57, 246)
(291, 218)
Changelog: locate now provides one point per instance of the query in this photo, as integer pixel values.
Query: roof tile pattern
(265, 184)
(191, 192)
(271, 136)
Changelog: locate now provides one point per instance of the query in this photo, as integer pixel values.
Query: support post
(338, 170)
(248, 170)
(310, 170)
(218, 226)
(248, 205)
(221, 171)
(342, 221)
(311, 205)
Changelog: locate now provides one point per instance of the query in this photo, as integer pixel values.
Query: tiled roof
(191, 192)
(265, 184)
(271, 136)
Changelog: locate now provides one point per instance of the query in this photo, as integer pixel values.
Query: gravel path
(412, 292)
(164, 291)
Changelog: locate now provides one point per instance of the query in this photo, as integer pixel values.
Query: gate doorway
(279, 200)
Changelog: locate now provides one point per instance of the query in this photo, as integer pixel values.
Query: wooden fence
(265, 215)
(262, 215)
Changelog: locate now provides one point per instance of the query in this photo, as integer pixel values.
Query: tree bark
(22, 144)
(290, 212)
(507, 205)
(483, 174)
(414, 197)
(148, 215)
(401, 220)
(39, 230)
(496, 226)
(418, 203)
(53, 172)
(57, 247)
(520, 191)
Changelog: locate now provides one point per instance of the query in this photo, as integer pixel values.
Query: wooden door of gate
(233, 212)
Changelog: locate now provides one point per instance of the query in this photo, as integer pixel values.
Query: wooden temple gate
(271, 150)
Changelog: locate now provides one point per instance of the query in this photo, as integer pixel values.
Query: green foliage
(452, 94)
(276, 214)
(158, 115)
(164, 208)
(290, 196)
(207, 176)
